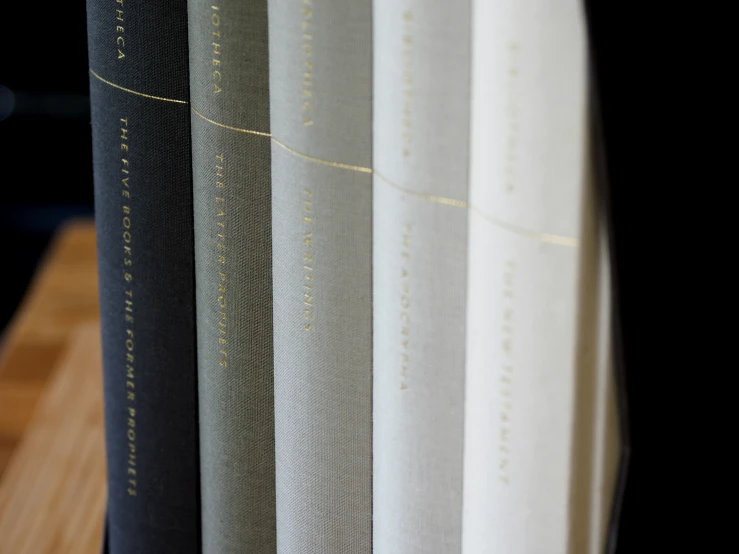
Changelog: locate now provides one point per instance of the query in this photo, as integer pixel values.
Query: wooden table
(52, 462)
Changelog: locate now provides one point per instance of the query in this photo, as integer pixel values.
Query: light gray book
(321, 119)
(229, 78)
(420, 214)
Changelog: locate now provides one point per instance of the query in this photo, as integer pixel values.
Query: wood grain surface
(63, 294)
(52, 462)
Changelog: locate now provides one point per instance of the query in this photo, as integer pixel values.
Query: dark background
(45, 141)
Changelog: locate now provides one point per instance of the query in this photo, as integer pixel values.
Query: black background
(45, 141)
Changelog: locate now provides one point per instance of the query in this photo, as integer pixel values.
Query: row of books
(354, 278)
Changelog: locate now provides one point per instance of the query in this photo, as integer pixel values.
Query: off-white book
(420, 212)
(539, 454)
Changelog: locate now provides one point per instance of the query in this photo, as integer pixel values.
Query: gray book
(229, 77)
(321, 118)
(420, 214)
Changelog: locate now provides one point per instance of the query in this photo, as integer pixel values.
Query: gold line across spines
(281, 144)
(430, 197)
(350, 167)
(119, 87)
(543, 237)
(230, 127)
(548, 238)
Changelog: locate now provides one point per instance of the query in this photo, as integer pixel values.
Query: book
(594, 525)
(619, 407)
(139, 94)
(420, 220)
(595, 433)
(321, 124)
(229, 80)
(541, 439)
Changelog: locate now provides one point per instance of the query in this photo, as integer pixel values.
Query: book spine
(143, 204)
(229, 77)
(594, 460)
(420, 214)
(321, 122)
(606, 431)
(528, 176)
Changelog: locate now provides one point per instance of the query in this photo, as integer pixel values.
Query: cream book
(541, 436)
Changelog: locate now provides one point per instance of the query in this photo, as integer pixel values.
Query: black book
(143, 201)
